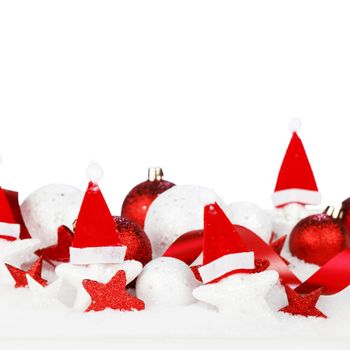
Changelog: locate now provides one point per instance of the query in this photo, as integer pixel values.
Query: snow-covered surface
(21, 318)
(24, 318)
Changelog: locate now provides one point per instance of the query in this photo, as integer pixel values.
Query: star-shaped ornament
(239, 293)
(278, 244)
(73, 276)
(16, 253)
(60, 251)
(112, 295)
(19, 251)
(20, 276)
(44, 296)
(304, 305)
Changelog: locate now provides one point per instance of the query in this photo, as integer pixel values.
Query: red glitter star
(20, 276)
(112, 295)
(304, 305)
(60, 251)
(278, 245)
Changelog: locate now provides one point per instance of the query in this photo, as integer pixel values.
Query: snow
(23, 316)
(20, 317)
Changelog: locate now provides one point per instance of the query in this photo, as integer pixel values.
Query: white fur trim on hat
(296, 195)
(10, 230)
(225, 264)
(97, 255)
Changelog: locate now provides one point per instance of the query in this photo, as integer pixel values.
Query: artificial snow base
(20, 318)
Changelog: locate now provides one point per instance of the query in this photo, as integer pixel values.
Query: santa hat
(96, 240)
(10, 229)
(223, 249)
(296, 182)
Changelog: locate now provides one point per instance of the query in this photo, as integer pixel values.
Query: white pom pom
(94, 172)
(295, 125)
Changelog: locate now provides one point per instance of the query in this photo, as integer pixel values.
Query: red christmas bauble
(318, 238)
(346, 214)
(140, 198)
(135, 239)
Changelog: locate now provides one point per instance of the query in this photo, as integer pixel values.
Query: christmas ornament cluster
(176, 245)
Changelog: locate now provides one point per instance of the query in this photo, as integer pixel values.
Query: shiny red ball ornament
(135, 239)
(140, 198)
(318, 238)
(345, 210)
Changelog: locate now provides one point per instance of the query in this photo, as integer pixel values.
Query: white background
(203, 88)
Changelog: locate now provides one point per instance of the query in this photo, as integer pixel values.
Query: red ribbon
(334, 276)
(264, 251)
(187, 247)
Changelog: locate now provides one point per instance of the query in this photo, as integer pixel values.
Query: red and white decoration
(232, 283)
(296, 182)
(10, 229)
(241, 274)
(96, 240)
(223, 250)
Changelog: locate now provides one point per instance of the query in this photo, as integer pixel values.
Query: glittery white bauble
(251, 216)
(175, 212)
(166, 282)
(49, 207)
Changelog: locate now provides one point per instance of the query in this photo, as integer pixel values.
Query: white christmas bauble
(49, 207)
(252, 217)
(166, 282)
(175, 212)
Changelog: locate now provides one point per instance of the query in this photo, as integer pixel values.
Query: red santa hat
(10, 229)
(96, 240)
(296, 182)
(224, 252)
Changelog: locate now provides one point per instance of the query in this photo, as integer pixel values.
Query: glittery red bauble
(134, 238)
(140, 198)
(346, 214)
(318, 238)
